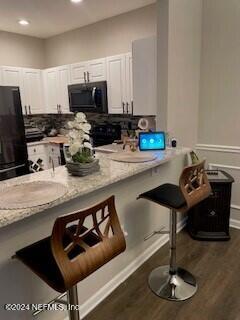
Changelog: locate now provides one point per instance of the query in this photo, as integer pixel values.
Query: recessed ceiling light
(76, 1)
(23, 22)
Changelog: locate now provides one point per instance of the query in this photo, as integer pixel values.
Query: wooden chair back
(78, 250)
(194, 184)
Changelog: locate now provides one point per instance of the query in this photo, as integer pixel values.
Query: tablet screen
(152, 141)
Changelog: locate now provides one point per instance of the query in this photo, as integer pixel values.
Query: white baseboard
(106, 290)
(235, 223)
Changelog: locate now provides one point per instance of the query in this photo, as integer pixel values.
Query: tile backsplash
(59, 121)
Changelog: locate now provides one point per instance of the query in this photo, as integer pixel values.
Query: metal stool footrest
(155, 233)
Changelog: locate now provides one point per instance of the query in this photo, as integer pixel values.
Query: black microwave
(88, 97)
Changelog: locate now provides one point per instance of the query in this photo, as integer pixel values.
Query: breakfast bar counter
(138, 218)
(110, 172)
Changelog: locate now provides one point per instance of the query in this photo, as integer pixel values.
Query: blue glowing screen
(151, 141)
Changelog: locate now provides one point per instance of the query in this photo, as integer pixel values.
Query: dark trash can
(209, 220)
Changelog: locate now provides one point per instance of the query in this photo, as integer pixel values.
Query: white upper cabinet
(63, 83)
(129, 83)
(33, 91)
(96, 70)
(56, 81)
(50, 90)
(145, 76)
(78, 72)
(116, 79)
(13, 76)
(88, 71)
(30, 83)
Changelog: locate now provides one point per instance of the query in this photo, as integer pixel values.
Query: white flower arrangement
(80, 147)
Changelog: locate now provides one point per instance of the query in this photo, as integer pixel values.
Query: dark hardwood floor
(216, 266)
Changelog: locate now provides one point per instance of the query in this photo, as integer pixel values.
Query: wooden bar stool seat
(75, 251)
(171, 282)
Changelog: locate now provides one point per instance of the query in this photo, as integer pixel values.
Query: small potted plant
(80, 160)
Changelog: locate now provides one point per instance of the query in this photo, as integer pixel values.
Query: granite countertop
(110, 172)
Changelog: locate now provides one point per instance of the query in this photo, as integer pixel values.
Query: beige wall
(220, 73)
(108, 37)
(219, 111)
(21, 51)
(179, 47)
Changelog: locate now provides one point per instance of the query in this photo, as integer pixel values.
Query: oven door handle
(94, 95)
(12, 168)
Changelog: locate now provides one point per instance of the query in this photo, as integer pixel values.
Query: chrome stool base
(177, 287)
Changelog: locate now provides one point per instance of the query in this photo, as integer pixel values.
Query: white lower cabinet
(43, 156)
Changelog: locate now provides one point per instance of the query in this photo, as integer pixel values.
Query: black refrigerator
(13, 147)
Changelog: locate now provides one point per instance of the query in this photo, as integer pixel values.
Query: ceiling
(51, 17)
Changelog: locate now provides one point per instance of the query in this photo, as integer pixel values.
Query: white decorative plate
(133, 157)
(31, 194)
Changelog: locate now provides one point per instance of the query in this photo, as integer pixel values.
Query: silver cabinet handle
(26, 110)
(123, 106)
(85, 80)
(29, 107)
(94, 95)
(132, 106)
(59, 160)
(88, 76)
(127, 105)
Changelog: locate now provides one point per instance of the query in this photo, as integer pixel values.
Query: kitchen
(99, 105)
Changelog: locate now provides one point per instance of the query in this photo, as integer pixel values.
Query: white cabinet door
(96, 70)
(56, 81)
(129, 83)
(63, 82)
(12, 76)
(33, 93)
(145, 76)
(78, 72)
(116, 78)
(51, 90)
(38, 156)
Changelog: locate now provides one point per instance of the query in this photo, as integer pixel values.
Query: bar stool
(171, 282)
(74, 251)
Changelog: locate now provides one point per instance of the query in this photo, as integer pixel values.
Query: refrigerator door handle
(12, 168)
